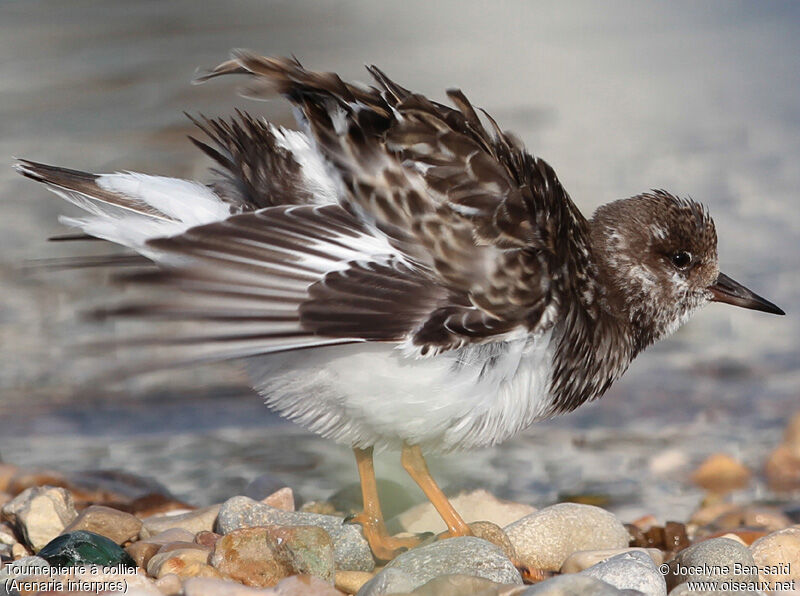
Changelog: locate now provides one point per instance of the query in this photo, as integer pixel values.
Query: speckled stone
(632, 570)
(544, 539)
(463, 556)
(351, 550)
(708, 561)
(40, 513)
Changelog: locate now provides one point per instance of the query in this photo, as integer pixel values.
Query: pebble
(195, 521)
(671, 537)
(575, 585)
(776, 550)
(351, 582)
(782, 469)
(709, 560)
(583, 559)
(142, 550)
(262, 556)
(204, 586)
(7, 535)
(169, 584)
(22, 567)
(40, 513)
(478, 505)
(351, 550)
(281, 499)
(305, 585)
(496, 535)
(246, 556)
(721, 473)
(544, 539)
(19, 550)
(85, 548)
(389, 581)
(207, 538)
(174, 561)
(130, 583)
(111, 523)
(632, 570)
(465, 555)
(463, 585)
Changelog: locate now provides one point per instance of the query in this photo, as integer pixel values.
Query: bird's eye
(681, 259)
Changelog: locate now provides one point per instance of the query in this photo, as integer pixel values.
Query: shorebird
(400, 273)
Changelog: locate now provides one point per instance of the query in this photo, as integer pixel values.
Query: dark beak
(732, 292)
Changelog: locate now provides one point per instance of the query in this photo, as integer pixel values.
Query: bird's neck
(591, 352)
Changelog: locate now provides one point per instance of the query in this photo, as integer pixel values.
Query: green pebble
(84, 548)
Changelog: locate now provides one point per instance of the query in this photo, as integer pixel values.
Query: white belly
(372, 395)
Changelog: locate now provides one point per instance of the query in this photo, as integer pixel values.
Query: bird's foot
(383, 545)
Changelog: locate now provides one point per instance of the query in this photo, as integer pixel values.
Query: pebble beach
(106, 532)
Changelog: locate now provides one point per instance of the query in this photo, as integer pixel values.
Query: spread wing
(487, 223)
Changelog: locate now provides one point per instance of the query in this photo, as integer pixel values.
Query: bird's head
(657, 263)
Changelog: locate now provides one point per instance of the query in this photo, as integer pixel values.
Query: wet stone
(85, 548)
(351, 551)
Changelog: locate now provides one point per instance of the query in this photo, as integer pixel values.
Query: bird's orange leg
(383, 545)
(415, 465)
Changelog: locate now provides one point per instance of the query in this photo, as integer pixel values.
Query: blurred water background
(701, 98)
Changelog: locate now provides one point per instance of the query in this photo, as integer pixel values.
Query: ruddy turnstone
(400, 273)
